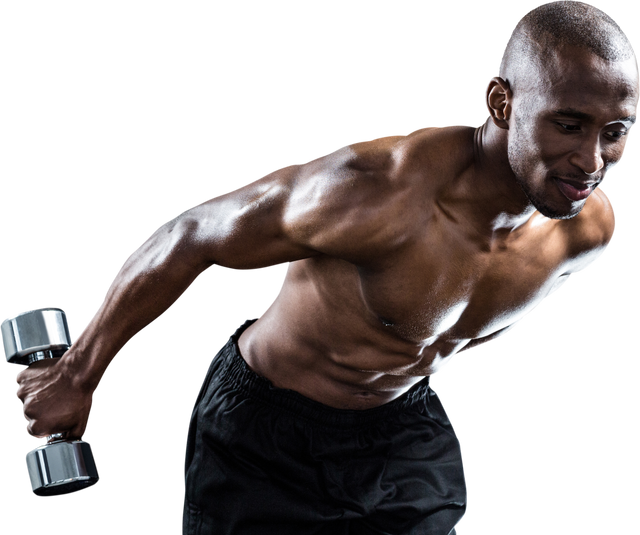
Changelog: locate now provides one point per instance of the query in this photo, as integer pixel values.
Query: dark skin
(403, 251)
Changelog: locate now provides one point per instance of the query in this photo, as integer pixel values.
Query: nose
(588, 157)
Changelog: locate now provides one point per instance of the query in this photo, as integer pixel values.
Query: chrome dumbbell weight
(60, 466)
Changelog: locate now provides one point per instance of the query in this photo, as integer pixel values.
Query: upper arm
(349, 205)
(333, 205)
(590, 232)
(587, 237)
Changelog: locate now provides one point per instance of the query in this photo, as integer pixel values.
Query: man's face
(568, 126)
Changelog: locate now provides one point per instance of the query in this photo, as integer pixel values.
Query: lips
(574, 190)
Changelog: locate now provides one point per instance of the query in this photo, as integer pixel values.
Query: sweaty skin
(453, 259)
(357, 332)
(403, 250)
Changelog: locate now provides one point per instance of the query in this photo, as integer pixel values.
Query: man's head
(567, 95)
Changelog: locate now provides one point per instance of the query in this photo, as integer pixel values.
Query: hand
(53, 401)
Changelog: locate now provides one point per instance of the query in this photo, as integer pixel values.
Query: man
(318, 417)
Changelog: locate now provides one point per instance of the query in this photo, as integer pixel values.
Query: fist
(53, 401)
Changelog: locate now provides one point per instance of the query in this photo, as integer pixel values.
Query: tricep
(242, 230)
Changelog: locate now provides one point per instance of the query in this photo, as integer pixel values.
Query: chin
(546, 205)
(554, 213)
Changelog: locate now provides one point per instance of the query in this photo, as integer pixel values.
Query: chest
(449, 285)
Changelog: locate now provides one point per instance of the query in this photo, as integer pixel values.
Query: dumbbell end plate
(61, 468)
(35, 331)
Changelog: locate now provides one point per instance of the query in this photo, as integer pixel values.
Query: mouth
(575, 190)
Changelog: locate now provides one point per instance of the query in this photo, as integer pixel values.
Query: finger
(33, 428)
(16, 376)
(79, 432)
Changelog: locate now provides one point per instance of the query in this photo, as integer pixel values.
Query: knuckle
(32, 428)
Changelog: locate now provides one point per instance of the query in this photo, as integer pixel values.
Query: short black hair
(557, 25)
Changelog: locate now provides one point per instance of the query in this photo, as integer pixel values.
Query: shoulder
(353, 176)
(369, 199)
(349, 203)
(590, 231)
(593, 227)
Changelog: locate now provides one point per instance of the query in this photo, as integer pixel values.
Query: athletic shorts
(263, 460)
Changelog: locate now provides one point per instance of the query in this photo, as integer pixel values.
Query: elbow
(160, 250)
(205, 237)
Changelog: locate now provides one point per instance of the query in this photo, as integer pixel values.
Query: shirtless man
(318, 417)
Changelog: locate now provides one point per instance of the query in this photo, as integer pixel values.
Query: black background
(120, 121)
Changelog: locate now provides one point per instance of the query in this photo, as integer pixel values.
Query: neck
(503, 204)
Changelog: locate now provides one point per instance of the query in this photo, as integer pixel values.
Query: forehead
(578, 79)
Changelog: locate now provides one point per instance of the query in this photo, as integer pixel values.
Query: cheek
(612, 154)
(526, 151)
(619, 155)
(552, 148)
(528, 137)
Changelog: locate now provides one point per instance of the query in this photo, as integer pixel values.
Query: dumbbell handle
(57, 436)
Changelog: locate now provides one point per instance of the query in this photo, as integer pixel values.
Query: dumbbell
(60, 466)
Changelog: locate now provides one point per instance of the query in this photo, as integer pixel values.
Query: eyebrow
(571, 112)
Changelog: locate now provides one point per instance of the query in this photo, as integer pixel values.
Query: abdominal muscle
(329, 347)
(316, 375)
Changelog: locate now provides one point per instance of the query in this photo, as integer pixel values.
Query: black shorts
(263, 460)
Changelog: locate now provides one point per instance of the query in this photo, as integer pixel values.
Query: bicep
(589, 233)
(607, 227)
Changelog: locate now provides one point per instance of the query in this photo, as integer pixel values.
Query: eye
(617, 135)
(570, 127)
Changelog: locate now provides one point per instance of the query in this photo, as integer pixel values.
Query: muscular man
(318, 417)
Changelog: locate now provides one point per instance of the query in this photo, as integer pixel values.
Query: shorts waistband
(236, 371)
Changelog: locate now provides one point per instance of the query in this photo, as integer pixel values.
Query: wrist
(82, 370)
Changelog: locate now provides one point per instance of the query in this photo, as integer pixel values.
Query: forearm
(147, 285)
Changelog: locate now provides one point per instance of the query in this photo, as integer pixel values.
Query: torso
(355, 336)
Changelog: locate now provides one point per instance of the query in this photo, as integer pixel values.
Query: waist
(318, 378)
(346, 404)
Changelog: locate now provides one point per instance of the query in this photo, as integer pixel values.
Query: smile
(574, 190)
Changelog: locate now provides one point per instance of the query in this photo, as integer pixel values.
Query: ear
(499, 98)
